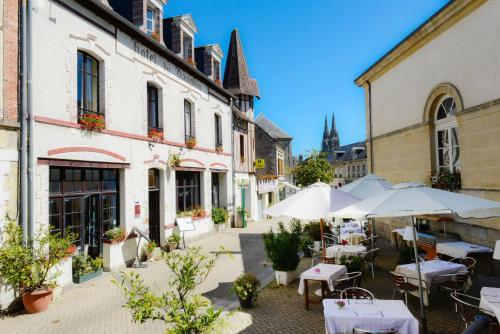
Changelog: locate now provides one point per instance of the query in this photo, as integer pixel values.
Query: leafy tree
(187, 313)
(315, 167)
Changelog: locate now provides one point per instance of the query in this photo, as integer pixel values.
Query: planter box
(202, 226)
(66, 271)
(117, 256)
(285, 277)
(87, 277)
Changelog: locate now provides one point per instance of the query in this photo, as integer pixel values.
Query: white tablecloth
(490, 301)
(430, 271)
(350, 229)
(460, 249)
(337, 251)
(328, 272)
(379, 315)
(353, 238)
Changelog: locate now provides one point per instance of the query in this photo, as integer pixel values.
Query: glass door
(92, 225)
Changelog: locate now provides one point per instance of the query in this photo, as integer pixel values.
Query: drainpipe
(370, 124)
(23, 168)
(31, 121)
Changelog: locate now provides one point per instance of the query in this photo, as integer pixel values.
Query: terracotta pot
(37, 301)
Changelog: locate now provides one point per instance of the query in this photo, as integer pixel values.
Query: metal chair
(350, 280)
(330, 239)
(316, 255)
(370, 257)
(402, 285)
(454, 282)
(356, 293)
(470, 263)
(468, 308)
(363, 331)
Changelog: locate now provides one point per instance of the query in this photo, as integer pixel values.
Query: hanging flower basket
(92, 122)
(155, 134)
(191, 142)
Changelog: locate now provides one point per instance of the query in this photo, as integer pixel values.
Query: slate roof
(348, 153)
(236, 77)
(271, 129)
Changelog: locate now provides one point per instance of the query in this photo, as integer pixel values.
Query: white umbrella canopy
(367, 186)
(312, 203)
(415, 199)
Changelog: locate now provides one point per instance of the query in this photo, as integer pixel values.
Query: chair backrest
(468, 306)
(456, 281)
(398, 279)
(371, 255)
(315, 252)
(363, 331)
(470, 263)
(356, 293)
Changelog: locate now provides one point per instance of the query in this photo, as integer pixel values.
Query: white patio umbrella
(414, 199)
(367, 186)
(312, 203)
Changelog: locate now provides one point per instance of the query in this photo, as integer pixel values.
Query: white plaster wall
(58, 34)
(466, 55)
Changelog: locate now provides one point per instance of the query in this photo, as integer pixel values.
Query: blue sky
(305, 57)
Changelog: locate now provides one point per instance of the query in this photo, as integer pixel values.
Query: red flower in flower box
(155, 134)
(344, 243)
(92, 122)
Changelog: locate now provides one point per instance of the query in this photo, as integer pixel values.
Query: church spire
(333, 131)
(325, 131)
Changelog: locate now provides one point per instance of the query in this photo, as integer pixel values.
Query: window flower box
(191, 142)
(117, 254)
(156, 134)
(446, 180)
(86, 268)
(92, 122)
(218, 82)
(191, 61)
(156, 36)
(87, 277)
(242, 160)
(219, 149)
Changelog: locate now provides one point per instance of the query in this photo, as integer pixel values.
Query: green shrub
(149, 247)
(175, 237)
(282, 248)
(353, 263)
(219, 215)
(27, 267)
(83, 264)
(305, 242)
(245, 286)
(313, 230)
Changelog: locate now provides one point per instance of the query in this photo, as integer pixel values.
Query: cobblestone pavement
(281, 309)
(96, 306)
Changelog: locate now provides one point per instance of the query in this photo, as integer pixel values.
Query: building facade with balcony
(433, 106)
(129, 132)
(349, 162)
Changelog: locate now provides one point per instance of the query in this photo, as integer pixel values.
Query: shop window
(188, 190)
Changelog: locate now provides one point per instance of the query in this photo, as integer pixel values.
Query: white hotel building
(110, 58)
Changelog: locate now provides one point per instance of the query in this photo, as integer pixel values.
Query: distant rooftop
(271, 129)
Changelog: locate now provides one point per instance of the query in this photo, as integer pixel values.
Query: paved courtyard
(96, 305)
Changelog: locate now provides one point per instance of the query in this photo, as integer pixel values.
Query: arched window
(88, 84)
(446, 135)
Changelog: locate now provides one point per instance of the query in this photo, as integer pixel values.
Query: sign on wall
(260, 164)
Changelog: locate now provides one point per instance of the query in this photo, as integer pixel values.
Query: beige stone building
(433, 103)
(9, 124)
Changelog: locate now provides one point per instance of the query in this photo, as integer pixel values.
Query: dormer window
(187, 49)
(150, 21)
(216, 72)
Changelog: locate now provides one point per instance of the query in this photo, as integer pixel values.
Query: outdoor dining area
(343, 262)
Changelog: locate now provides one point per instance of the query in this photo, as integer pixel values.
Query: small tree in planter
(245, 287)
(86, 268)
(220, 216)
(282, 249)
(29, 268)
(179, 307)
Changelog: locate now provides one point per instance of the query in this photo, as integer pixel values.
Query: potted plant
(220, 216)
(282, 248)
(173, 241)
(86, 268)
(29, 268)
(191, 142)
(155, 134)
(446, 180)
(92, 122)
(198, 213)
(175, 160)
(149, 248)
(245, 287)
(119, 249)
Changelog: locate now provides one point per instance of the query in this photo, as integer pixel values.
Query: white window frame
(153, 23)
(445, 124)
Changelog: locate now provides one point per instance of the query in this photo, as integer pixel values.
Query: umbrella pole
(321, 223)
(420, 288)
